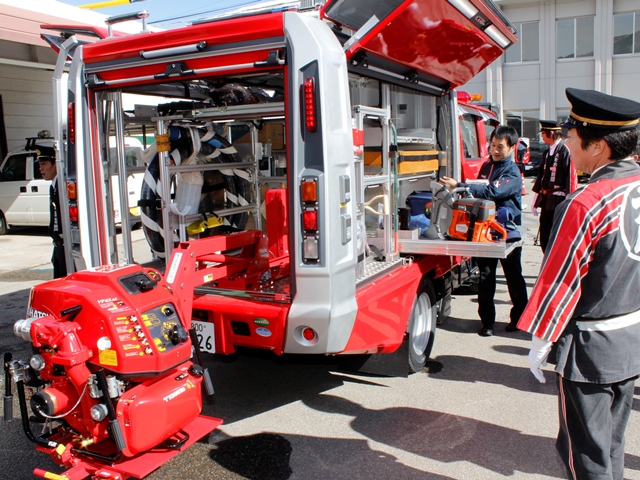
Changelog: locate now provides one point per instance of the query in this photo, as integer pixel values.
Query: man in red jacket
(584, 300)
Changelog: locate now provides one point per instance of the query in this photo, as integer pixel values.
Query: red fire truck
(285, 142)
(285, 145)
(477, 121)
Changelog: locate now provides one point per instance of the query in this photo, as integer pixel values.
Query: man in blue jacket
(504, 187)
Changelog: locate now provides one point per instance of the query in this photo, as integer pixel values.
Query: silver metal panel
(374, 270)
(59, 132)
(324, 293)
(459, 248)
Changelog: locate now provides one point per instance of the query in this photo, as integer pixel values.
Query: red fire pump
(117, 373)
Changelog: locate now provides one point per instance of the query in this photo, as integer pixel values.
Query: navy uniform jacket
(556, 178)
(55, 226)
(586, 296)
(504, 188)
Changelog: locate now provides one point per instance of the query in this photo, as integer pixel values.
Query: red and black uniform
(556, 179)
(586, 302)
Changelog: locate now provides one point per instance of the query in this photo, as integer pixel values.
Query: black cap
(596, 110)
(45, 153)
(549, 125)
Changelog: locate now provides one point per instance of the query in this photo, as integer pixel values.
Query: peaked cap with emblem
(549, 125)
(45, 153)
(596, 110)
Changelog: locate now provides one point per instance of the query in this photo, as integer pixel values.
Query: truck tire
(444, 287)
(422, 326)
(4, 228)
(236, 182)
(150, 214)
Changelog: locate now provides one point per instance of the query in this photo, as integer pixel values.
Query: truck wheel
(4, 228)
(422, 327)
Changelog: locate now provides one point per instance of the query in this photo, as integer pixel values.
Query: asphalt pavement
(475, 411)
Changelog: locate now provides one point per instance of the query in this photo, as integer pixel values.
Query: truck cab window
(16, 169)
(469, 136)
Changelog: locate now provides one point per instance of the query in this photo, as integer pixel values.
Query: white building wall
(541, 85)
(27, 100)
(521, 85)
(27, 62)
(626, 80)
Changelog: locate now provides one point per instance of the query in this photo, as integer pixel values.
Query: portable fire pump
(117, 376)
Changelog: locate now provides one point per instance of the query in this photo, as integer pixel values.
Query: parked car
(523, 153)
(24, 194)
(477, 120)
(536, 149)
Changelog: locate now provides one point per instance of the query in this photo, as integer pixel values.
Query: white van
(135, 167)
(24, 194)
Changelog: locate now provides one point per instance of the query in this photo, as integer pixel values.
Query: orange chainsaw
(474, 220)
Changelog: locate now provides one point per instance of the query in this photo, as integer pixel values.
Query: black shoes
(488, 332)
(485, 332)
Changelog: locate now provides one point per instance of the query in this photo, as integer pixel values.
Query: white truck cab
(24, 194)
(135, 173)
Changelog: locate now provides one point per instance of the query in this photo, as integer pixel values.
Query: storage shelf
(460, 248)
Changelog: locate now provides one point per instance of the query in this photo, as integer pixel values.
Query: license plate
(206, 337)
(135, 211)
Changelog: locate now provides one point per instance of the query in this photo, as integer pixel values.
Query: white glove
(538, 357)
(534, 210)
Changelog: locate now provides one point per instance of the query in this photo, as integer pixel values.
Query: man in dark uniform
(504, 187)
(556, 178)
(46, 161)
(584, 300)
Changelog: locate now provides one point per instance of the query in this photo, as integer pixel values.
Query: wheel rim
(422, 324)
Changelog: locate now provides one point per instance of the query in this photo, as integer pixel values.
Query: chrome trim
(177, 76)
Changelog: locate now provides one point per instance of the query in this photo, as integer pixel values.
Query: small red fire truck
(285, 143)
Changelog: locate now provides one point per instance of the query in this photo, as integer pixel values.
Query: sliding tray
(410, 243)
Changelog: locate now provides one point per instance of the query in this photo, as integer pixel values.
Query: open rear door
(436, 44)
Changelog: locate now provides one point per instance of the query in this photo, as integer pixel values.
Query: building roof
(20, 20)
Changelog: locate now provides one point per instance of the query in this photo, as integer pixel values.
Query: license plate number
(206, 335)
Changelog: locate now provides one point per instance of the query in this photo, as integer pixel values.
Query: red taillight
(310, 227)
(310, 104)
(71, 122)
(310, 220)
(73, 214)
(308, 334)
